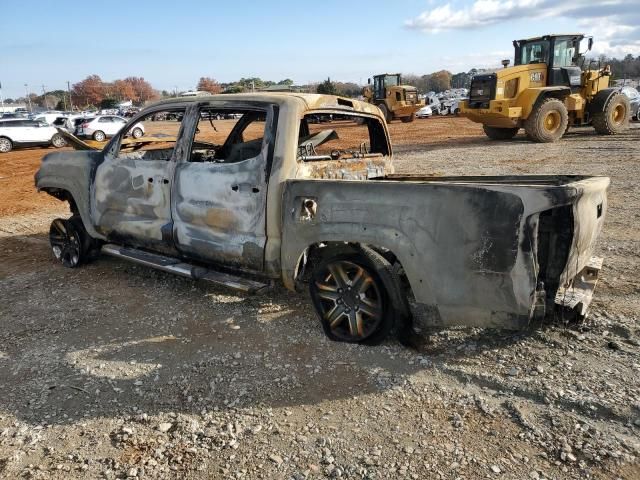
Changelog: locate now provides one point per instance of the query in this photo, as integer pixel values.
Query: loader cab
(559, 52)
(382, 82)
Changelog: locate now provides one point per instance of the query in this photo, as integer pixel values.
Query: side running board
(178, 267)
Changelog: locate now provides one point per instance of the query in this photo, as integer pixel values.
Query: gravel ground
(116, 371)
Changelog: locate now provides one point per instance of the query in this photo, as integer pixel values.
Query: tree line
(94, 92)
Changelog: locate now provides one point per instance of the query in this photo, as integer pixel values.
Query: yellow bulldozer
(396, 101)
(549, 89)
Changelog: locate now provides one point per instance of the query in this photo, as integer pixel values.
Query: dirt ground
(116, 371)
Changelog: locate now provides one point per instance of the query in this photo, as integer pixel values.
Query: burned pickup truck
(270, 193)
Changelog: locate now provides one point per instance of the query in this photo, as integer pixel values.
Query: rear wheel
(547, 122)
(495, 133)
(99, 136)
(350, 296)
(6, 145)
(58, 141)
(408, 119)
(614, 117)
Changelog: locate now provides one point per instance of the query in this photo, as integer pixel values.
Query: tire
(614, 117)
(495, 133)
(70, 243)
(385, 112)
(456, 112)
(408, 119)
(58, 141)
(547, 122)
(99, 136)
(137, 132)
(6, 145)
(353, 296)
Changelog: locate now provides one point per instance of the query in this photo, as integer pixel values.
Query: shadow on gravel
(114, 338)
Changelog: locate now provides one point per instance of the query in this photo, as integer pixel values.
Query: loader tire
(547, 122)
(495, 133)
(614, 117)
(385, 113)
(408, 119)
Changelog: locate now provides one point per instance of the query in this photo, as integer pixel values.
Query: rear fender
(600, 100)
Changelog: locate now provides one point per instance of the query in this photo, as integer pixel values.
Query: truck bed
(486, 251)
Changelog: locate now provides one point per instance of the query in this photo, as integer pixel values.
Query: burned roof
(303, 101)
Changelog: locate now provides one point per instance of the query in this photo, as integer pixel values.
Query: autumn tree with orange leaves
(207, 84)
(92, 90)
(89, 91)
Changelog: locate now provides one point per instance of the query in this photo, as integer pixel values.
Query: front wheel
(58, 141)
(547, 122)
(385, 112)
(137, 133)
(349, 295)
(495, 133)
(70, 243)
(408, 119)
(99, 136)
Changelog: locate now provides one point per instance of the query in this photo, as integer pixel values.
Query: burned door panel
(220, 203)
(219, 211)
(131, 199)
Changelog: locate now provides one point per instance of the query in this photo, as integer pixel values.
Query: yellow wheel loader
(396, 101)
(546, 92)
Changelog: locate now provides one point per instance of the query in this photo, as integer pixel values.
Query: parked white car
(26, 133)
(48, 118)
(102, 126)
(424, 112)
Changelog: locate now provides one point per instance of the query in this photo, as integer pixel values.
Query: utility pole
(70, 101)
(26, 89)
(44, 98)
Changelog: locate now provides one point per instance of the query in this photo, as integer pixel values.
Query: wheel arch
(533, 98)
(601, 99)
(313, 254)
(76, 205)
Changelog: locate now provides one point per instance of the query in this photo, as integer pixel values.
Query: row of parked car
(17, 130)
(447, 103)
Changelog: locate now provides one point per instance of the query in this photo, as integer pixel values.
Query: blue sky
(174, 43)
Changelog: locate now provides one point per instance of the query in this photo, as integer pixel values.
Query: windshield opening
(535, 52)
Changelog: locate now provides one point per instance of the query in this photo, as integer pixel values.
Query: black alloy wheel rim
(349, 300)
(64, 244)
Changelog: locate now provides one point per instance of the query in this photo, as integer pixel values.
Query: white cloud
(615, 24)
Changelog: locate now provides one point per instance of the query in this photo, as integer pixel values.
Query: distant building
(194, 93)
(12, 107)
(285, 88)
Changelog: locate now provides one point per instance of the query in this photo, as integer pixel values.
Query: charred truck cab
(546, 92)
(250, 189)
